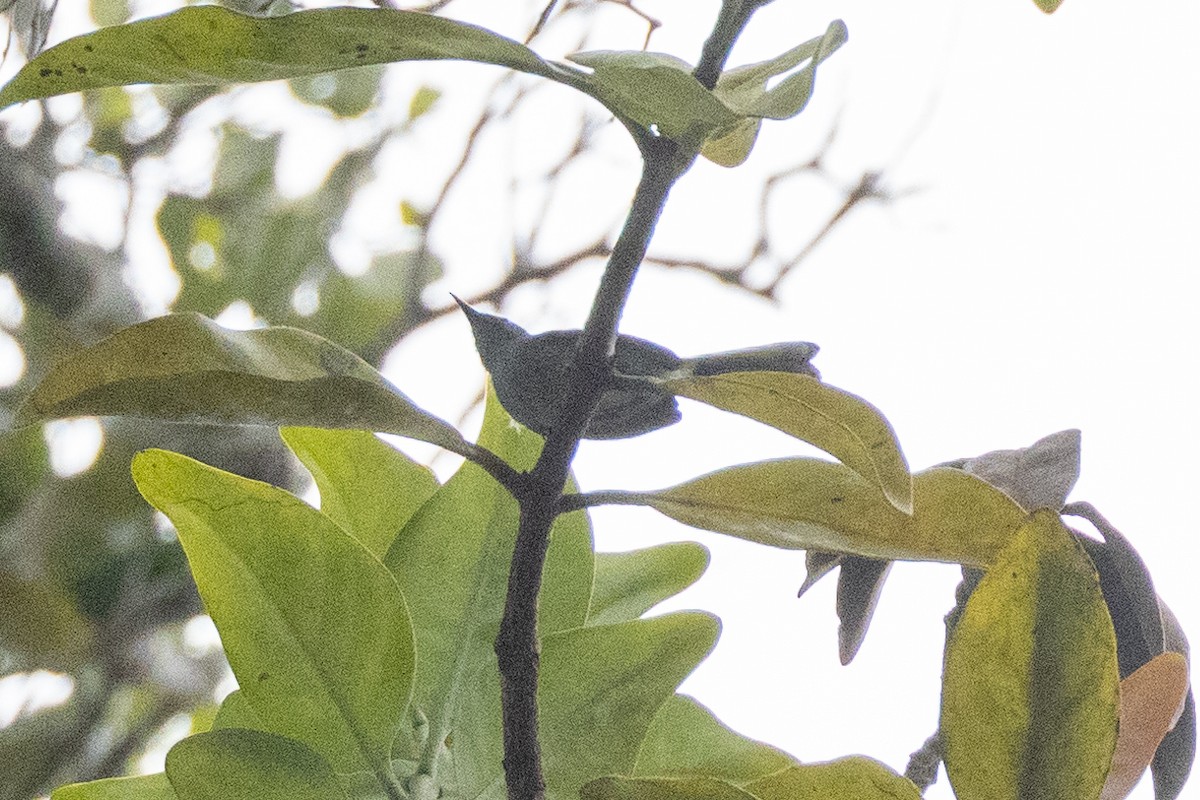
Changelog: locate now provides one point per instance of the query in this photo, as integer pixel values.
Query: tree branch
(517, 651)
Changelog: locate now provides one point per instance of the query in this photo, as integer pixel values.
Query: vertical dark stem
(517, 643)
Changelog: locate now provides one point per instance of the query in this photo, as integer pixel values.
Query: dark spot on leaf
(80, 69)
(262, 676)
(362, 48)
(87, 48)
(837, 499)
(45, 73)
(58, 73)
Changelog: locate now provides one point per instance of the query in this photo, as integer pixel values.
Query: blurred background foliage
(95, 597)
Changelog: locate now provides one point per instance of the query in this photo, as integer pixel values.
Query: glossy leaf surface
(187, 368)
(314, 626)
(842, 424)
(1030, 692)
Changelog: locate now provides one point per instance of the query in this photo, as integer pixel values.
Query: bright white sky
(1043, 277)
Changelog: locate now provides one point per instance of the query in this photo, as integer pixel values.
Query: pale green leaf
(600, 688)
(628, 585)
(618, 788)
(854, 777)
(687, 740)
(807, 504)
(1030, 691)
(656, 90)
(1049, 6)
(314, 626)
(140, 787)
(367, 486)
(212, 45)
(842, 424)
(187, 368)
(744, 89)
(732, 148)
(240, 764)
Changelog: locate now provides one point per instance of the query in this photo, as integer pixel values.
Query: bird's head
(496, 338)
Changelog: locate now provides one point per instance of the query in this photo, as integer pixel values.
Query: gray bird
(530, 374)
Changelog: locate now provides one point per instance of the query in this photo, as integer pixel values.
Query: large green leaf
(241, 764)
(1030, 693)
(686, 740)
(141, 787)
(452, 561)
(805, 504)
(842, 424)
(314, 626)
(601, 687)
(368, 487)
(854, 777)
(628, 585)
(212, 45)
(184, 367)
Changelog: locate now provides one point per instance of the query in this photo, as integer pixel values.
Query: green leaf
(600, 688)
(617, 788)
(628, 585)
(314, 626)
(1030, 692)
(808, 504)
(186, 368)
(687, 740)
(367, 486)
(657, 90)
(842, 424)
(239, 764)
(854, 777)
(140, 787)
(744, 89)
(212, 45)
(452, 561)
(1049, 6)
(235, 711)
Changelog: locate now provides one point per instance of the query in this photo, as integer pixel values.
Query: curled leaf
(842, 424)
